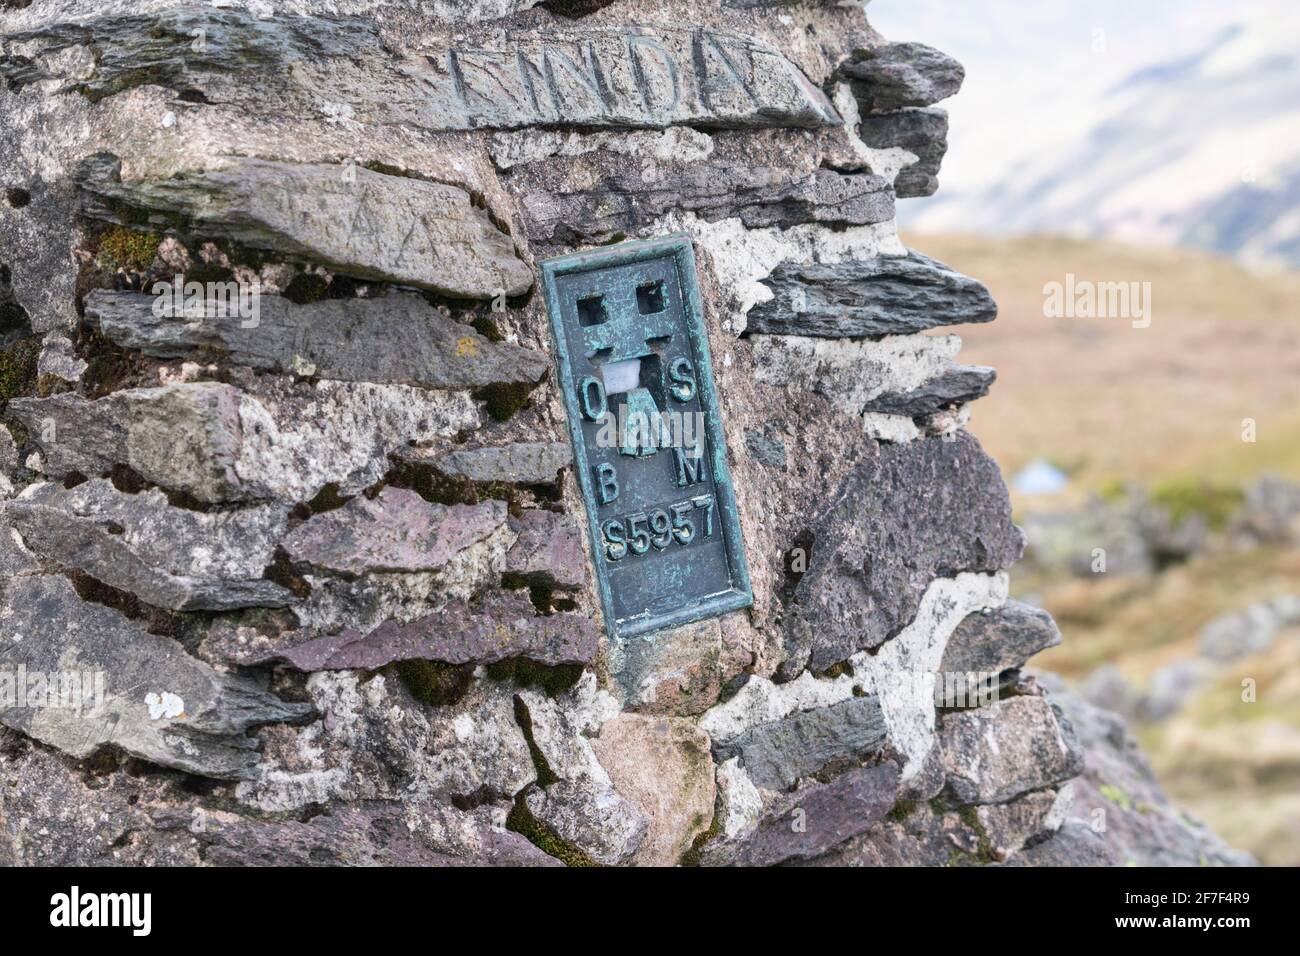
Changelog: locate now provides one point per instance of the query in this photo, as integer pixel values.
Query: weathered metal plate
(649, 449)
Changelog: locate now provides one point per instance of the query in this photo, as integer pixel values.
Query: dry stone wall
(310, 583)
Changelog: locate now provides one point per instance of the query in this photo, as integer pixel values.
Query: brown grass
(1111, 402)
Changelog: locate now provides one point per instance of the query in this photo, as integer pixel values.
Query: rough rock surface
(166, 556)
(884, 296)
(219, 444)
(622, 204)
(524, 463)
(1000, 639)
(364, 223)
(399, 339)
(312, 581)
(897, 75)
(397, 530)
(776, 755)
(503, 628)
(549, 550)
(137, 691)
(662, 765)
(992, 754)
(922, 132)
(943, 507)
(956, 385)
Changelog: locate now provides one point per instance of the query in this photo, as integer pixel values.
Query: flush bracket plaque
(649, 449)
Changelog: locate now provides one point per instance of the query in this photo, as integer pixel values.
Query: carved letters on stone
(634, 77)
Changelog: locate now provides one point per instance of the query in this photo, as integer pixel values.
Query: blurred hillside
(1157, 413)
(1169, 121)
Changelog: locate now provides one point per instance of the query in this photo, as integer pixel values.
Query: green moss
(1113, 492)
(307, 287)
(123, 248)
(1116, 796)
(984, 852)
(1183, 498)
(487, 328)
(433, 682)
(902, 810)
(692, 856)
(526, 673)
(18, 370)
(502, 401)
(522, 821)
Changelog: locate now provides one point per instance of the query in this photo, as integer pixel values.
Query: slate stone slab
(549, 550)
(581, 202)
(906, 514)
(889, 295)
(820, 817)
(897, 75)
(993, 641)
(398, 338)
(158, 703)
(396, 531)
(518, 463)
(650, 77)
(777, 754)
(923, 132)
(221, 444)
(369, 833)
(168, 557)
(503, 626)
(351, 219)
(956, 385)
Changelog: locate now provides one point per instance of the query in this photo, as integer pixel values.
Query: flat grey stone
(351, 219)
(956, 385)
(503, 626)
(598, 200)
(941, 507)
(58, 359)
(1075, 844)
(368, 833)
(923, 132)
(650, 77)
(168, 557)
(897, 75)
(995, 753)
(158, 703)
(398, 338)
(396, 531)
(221, 444)
(777, 754)
(521, 463)
(991, 642)
(888, 295)
(8, 451)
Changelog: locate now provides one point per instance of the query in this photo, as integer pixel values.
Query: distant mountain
(1161, 121)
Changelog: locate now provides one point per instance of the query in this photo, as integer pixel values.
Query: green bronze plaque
(648, 445)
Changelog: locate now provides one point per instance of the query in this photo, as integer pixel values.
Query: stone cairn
(309, 582)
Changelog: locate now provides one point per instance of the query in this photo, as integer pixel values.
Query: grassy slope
(1110, 402)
